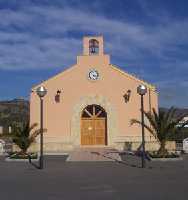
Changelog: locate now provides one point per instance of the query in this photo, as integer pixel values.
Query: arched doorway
(93, 126)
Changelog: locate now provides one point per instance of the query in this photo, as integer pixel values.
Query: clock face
(93, 74)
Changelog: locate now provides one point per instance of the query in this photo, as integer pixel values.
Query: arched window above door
(93, 111)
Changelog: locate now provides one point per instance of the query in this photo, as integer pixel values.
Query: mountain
(16, 110)
(179, 111)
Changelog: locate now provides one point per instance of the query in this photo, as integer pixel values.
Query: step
(94, 154)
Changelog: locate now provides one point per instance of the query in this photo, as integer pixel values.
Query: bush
(18, 155)
(169, 155)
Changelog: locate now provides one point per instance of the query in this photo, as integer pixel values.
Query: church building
(92, 103)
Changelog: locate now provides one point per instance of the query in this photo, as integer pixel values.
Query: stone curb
(167, 159)
(56, 154)
(20, 160)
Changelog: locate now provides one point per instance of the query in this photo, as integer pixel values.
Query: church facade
(92, 103)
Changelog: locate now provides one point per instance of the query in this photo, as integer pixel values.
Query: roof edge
(53, 77)
(151, 86)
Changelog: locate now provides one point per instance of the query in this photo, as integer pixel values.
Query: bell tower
(93, 52)
(93, 46)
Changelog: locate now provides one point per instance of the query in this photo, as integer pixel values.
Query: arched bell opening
(93, 46)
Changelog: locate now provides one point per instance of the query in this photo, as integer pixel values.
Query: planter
(22, 158)
(167, 159)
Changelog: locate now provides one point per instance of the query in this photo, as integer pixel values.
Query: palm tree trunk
(162, 150)
(23, 152)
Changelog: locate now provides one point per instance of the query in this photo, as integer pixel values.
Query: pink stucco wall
(74, 85)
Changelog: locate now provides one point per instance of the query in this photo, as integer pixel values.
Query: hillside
(16, 110)
(180, 111)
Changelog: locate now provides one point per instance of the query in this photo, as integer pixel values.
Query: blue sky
(149, 38)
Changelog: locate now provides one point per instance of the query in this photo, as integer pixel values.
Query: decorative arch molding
(102, 101)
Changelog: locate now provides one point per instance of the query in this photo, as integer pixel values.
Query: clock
(93, 74)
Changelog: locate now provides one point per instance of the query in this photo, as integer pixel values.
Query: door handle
(90, 128)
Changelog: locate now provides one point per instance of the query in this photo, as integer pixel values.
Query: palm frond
(23, 136)
(35, 134)
(135, 121)
(163, 124)
(170, 114)
(33, 126)
(151, 120)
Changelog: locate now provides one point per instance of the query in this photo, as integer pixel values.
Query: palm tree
(162, 126)
(23, 136)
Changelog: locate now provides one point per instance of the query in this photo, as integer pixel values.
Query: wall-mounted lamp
(57, 96)
(127, 95)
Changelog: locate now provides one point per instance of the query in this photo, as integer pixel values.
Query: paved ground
(94, 154)
(94, 180)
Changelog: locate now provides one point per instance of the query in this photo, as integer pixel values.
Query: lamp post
(41, 92)
(142, 90)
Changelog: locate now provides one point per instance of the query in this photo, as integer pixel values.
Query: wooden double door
(93, 126)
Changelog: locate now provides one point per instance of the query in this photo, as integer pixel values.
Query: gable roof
(115, 67)
(53, 77)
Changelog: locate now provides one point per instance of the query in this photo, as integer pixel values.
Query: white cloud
(39, 37)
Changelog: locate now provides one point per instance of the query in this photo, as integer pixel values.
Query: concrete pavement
(94, 180)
